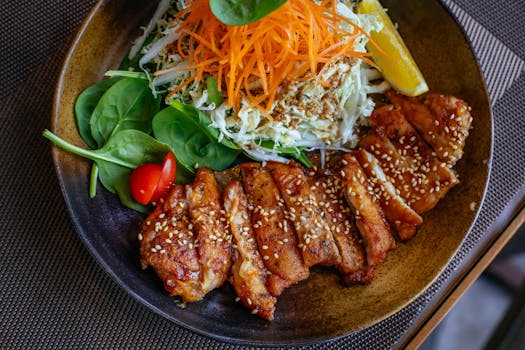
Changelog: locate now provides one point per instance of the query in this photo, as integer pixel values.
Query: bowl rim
(247, 342)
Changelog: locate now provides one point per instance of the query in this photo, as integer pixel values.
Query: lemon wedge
(394, 59)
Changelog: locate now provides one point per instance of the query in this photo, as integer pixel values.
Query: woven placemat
(52, 293)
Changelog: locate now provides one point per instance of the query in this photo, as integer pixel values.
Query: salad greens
(128, 104)
(115, 118)
(85, 105)
(205, 122)
(119, 104)
(240, 12)
(214, 95)
(120, 119)
(187, 130)
(125, 151)
(126, 74)
(292, 152)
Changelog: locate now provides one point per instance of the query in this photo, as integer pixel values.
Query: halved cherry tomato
(143, 182)
(167, 178)
(149, 182)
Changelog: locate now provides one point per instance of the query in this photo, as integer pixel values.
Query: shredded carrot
(295, 42)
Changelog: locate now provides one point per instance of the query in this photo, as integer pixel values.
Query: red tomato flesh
(143, 182)
(167, 177)
(150, 182)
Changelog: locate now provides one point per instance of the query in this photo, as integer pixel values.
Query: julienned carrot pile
(294, 42)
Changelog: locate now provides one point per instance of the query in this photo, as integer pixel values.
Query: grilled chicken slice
(403, 219)
(370, 219)
(214, 241)
(444, 122)
(275, 235)
(393, 164)
(166, 244)
(307, 214)
(431, 178)
(248, 271)
(326, 186)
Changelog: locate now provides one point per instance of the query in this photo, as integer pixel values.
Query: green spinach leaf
(85, 105)
(123, 152)
(205, 122)
(192, 141)
(129, 104)
(115, 178)
(240, 12)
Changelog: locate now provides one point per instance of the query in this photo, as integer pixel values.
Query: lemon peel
(391, 54)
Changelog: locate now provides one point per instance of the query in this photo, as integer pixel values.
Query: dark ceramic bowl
(317, 309)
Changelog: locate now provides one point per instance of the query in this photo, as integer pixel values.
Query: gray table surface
(53, 295)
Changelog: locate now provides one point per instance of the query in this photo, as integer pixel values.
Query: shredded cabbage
(306, 115)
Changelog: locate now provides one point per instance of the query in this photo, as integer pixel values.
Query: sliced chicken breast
(248, 271)
(327, 188)
(315, 237)
(370, 219)
(402, 218)
(428, 179)
(213, 239)
(275, 235)
(444, 122)
(167, 245)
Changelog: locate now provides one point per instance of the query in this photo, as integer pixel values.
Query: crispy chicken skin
(166, 244)
(427, 179)
(275, 235)
(326, 186)
(402, 218)
(370, 219)
(443, 121)
(214, 241)
(307, 214)
(248, 271)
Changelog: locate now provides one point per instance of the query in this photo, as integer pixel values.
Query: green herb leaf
(128, 104)
(85, 105)
(205, 121)
(214, 95)
(125, 151)
(293, 152)
(240, 12)
(126, 74)
(115, 178)
(192, 142)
